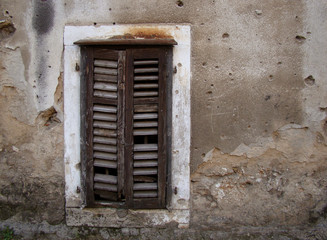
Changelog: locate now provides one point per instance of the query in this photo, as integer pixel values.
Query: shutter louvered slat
(105, 78)
(145, 147)
(145, 155)
(145, 85)
(146, 94)
(104, 108)
(103, 178)
(145, 62)
(105, 86)
(146, 70)
(144, 132)
(104, 140)
(145, 171)
(104, 148)
(105, 164)
(142, 116)
(107, 125)
(104, 94)
(150, 163)
(105, 132)
(145, 108)
(146, 78)
(145, 124)
(105, 63)
(105, 117)
(145, 186)
(107, 71)
(105, 156)
(105, 186)
(145, 194)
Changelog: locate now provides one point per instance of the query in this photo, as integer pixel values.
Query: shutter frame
(126, 102)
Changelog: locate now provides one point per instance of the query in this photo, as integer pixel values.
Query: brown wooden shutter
(105, 130)
(125, 160)
(146, 127)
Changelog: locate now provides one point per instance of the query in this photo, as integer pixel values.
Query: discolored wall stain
(43, 16)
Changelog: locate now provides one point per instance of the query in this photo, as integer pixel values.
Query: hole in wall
(180, 3)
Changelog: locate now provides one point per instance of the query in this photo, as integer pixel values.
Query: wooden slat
(142, 116)
(145, 155)
(105, 186)
(145, 85)
(147, 100)
(145, 186)
(144, 132)
(105, 164)
(105, 117)
(98, 93)
(105, 78)
(145, 194)
(104, 108)
(105, 86)
(105, 63)
(145, 62)
(105, 140)
(104, 148)
(146, 70)
(150, 163)
(107, 125)
(104, 132)
(145, 147)
(104, 178)
(105, 101)
(145, 124)
(146, 78)
(108, 71)
(146, 94)
(146, 108)
(105, 156)
(145, 171)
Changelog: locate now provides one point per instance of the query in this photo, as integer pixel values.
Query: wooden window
(125, 105)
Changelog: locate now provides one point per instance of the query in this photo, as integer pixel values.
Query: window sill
(117, 218)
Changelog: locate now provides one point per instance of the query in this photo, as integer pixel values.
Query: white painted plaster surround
(178, 209)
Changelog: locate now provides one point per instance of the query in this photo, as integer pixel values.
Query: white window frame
(179, 202)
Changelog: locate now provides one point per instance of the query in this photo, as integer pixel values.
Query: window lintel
(121, 41)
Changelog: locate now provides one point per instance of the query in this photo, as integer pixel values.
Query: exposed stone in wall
(7, 28)
(283, 185)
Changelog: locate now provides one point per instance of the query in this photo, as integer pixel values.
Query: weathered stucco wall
(258, 102)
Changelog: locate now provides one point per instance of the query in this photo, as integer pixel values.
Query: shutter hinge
(77, 68)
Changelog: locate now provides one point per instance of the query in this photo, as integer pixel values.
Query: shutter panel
(146, 86)
(105, 124)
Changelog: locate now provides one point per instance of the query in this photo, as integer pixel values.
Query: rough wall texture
(259, 100)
